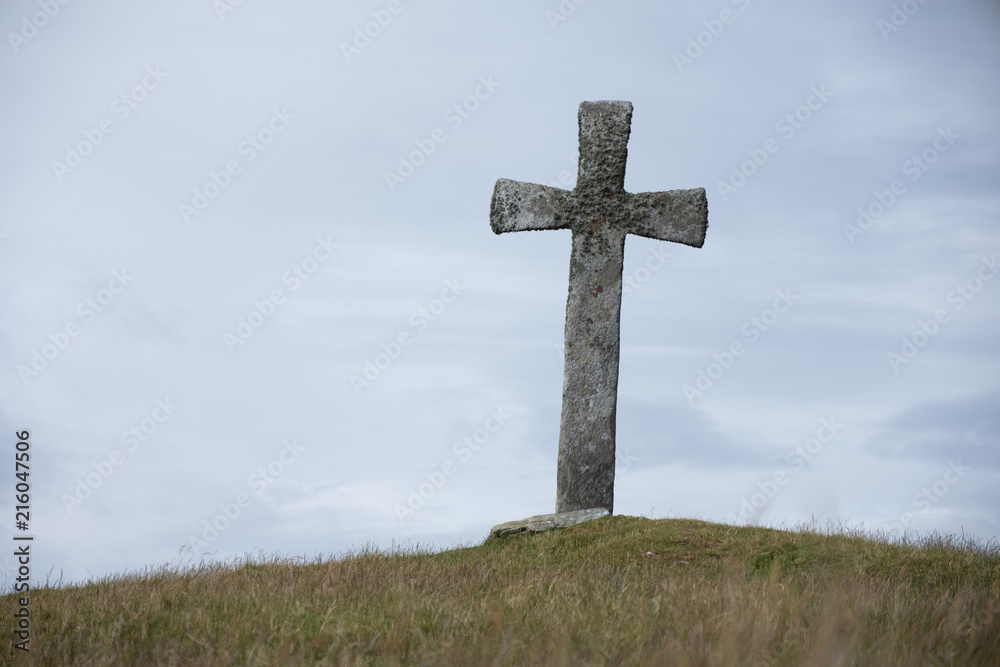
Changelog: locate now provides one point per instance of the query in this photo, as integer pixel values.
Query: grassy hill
(619, 590)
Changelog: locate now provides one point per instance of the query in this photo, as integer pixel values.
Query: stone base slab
(543, 522)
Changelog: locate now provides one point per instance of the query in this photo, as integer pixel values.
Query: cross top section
(604, 133)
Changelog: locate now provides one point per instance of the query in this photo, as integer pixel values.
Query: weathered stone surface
(543, 522)
(600, 214)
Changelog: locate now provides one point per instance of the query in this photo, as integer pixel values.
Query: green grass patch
(618, 590)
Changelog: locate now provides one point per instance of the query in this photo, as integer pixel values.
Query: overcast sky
(252, 301)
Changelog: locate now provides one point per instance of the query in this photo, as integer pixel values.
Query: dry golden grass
(619, 591)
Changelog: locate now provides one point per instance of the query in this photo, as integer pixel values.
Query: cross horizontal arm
(680, 216)
(518, 207)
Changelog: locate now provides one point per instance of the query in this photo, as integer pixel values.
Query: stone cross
(600, 213)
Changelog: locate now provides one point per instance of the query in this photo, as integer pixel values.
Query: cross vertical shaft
(586, 472)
